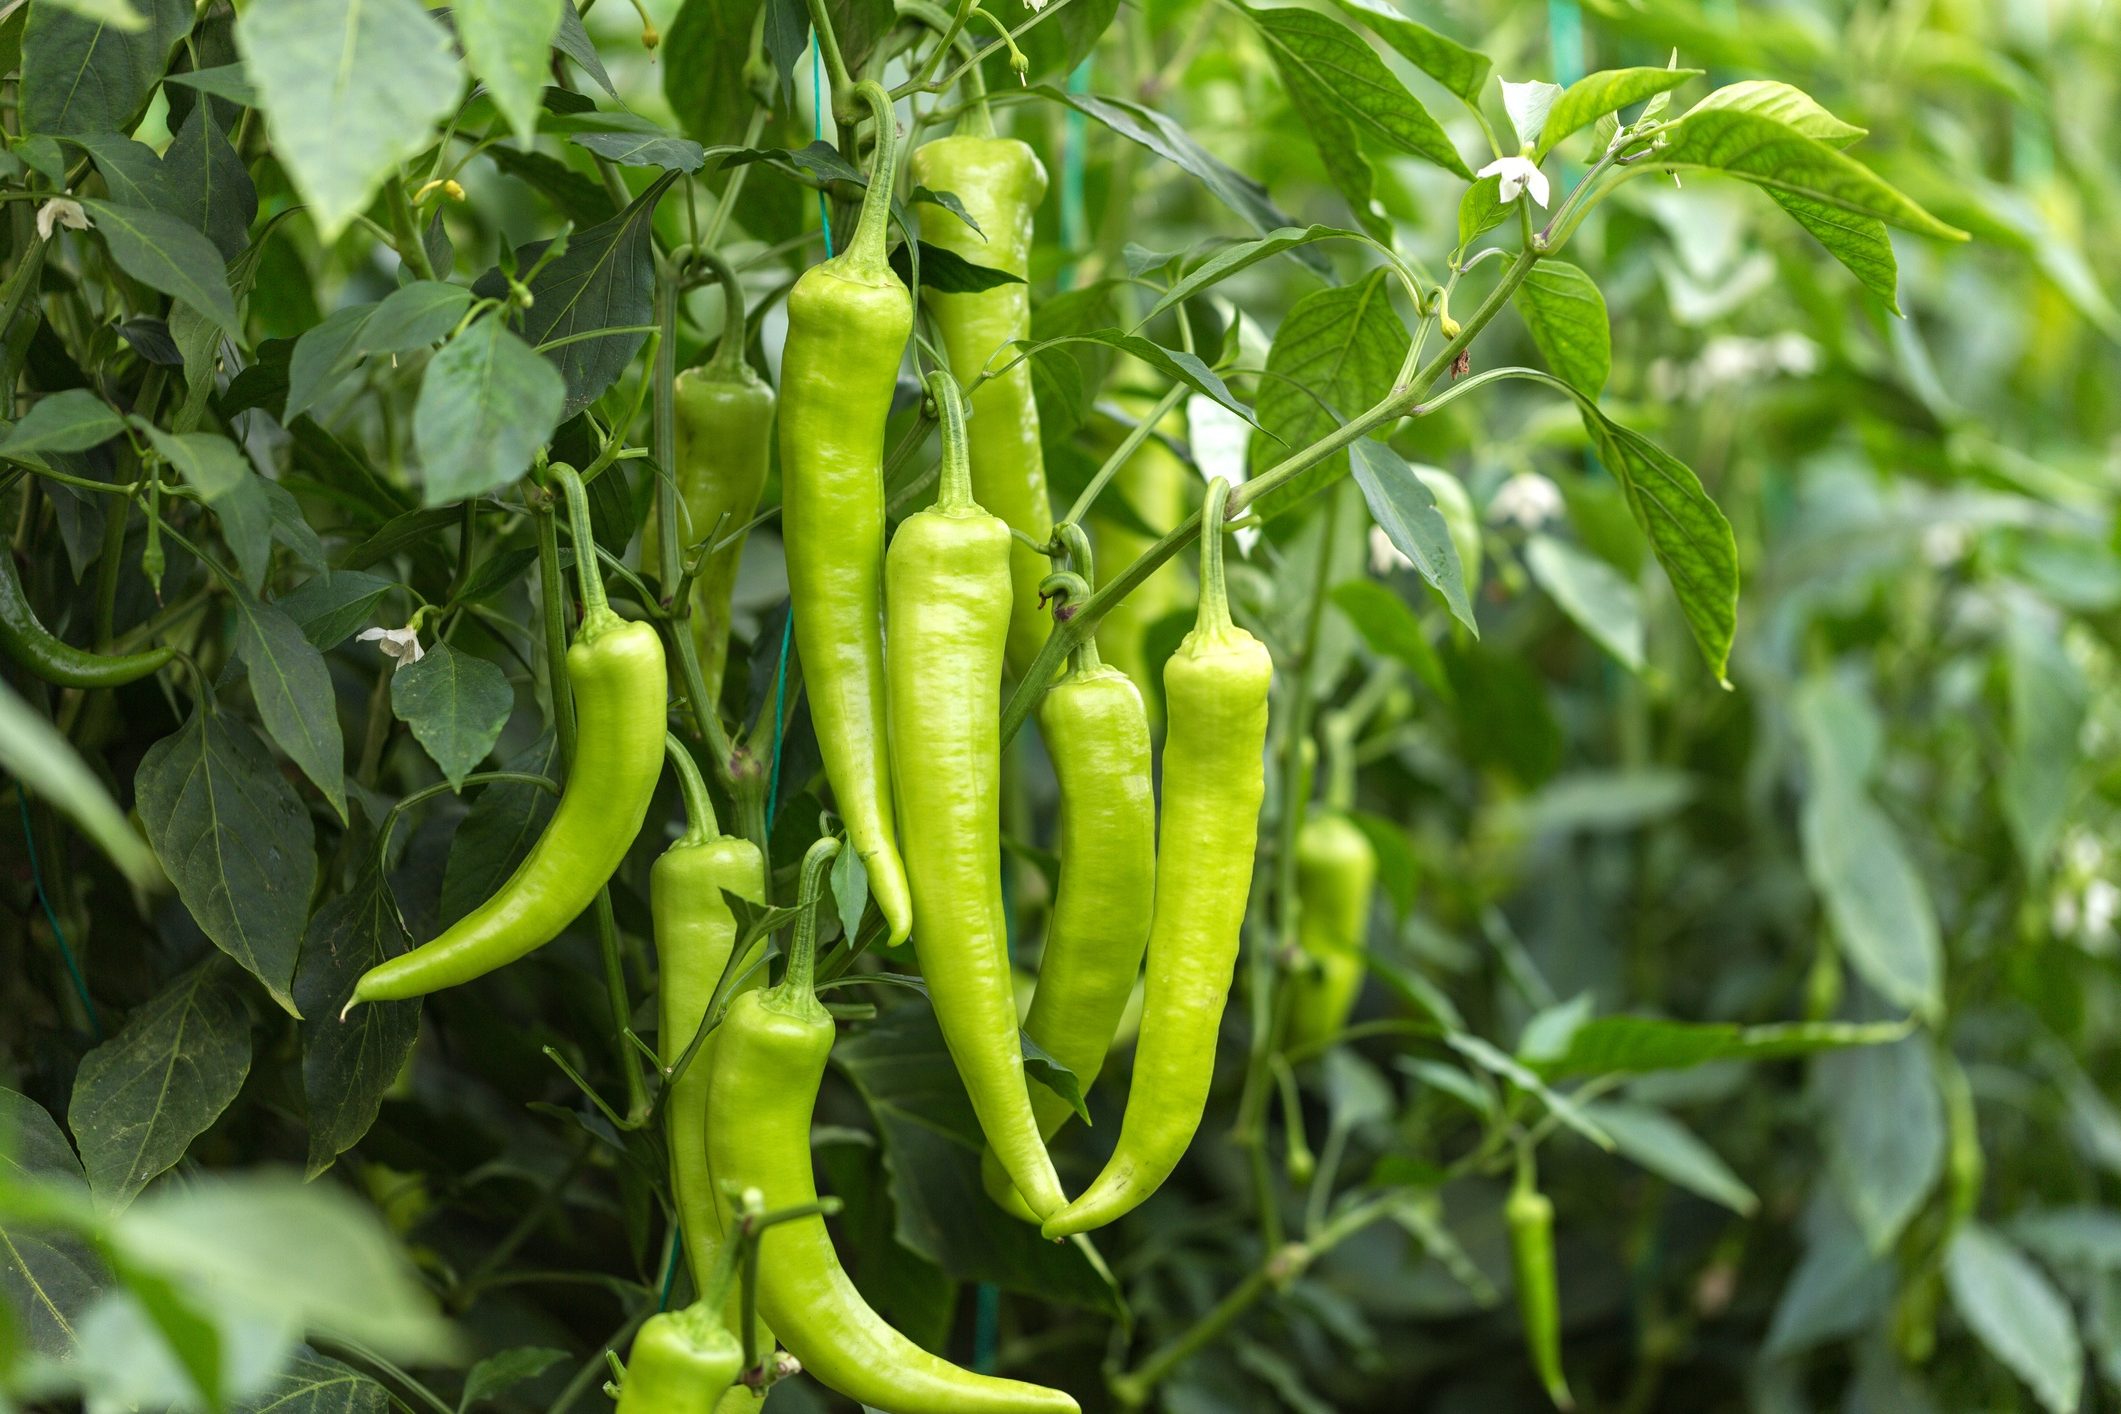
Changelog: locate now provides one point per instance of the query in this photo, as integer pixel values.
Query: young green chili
(769, 1062)
(947, 604)
(1336, 878)
(1214, 777)
(848, 321)
(615, 669)
(682, 1362)
(1097, 735)
(1529, 1217)
(25, 640)
(999, 182)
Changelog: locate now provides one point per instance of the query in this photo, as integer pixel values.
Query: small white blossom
(402, 644)
(60, 211)
(1527, 499)
(1517, 174)
(1385, 557)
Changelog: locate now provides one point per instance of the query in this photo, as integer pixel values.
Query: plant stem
(1141, 432)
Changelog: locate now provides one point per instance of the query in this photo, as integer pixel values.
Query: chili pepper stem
(799, 982)
(700, 823)
(865, 253)
(596, 609)
(954, 491)
(1214, 619)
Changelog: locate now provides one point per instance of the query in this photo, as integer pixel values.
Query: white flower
(402, 644)
(1528, 499)
(1385, 557)
(60, 211)
(1516, 174)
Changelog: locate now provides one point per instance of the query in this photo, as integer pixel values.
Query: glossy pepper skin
(695, 934)
(848, 322)
(947, 596)
(621, 697)
(1153, 482)
(1000, 183)
(724, 427)
(28, 642)
(1214, 779)
(682, 1362)
(769, 1063)
(1336, 876)
(1097, 734)
(1529, 1216)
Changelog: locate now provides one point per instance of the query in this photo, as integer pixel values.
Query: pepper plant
(1646, 470)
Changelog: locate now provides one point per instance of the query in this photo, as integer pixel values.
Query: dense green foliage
(1715, 644)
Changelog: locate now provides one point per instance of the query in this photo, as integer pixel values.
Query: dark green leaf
(487, 405)
(1391, 630)
(202, 182)
(81, 75)
(947, 272)
(1343, 347)
(702, 57)
(316, 1384)
(293, 692)
(49, 1278)
(347, 1063)
(1339, 65)
(330, 608)
(456, 705)
(165, 254)
(573, 40)
(323, 355)
(1406, 509)
(504, 820)
(70, 421)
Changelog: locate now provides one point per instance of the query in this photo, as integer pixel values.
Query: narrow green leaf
(1406, 510)
(1461, 70)
(165, 254)
(1595, 95)
(1336, 61)
(72, 420)
(2017, 1313)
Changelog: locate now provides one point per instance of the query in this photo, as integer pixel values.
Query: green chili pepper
(1153, 482)
(1097, 735)
(1530, 1218)
(1214, 777)
(724, 441)
(848, 321)
(695, 935)
(1000, 183)
(947, 603)
(621, 696)
(682, 1362)
(769, 1061)
(1336, 876)
(28, 642)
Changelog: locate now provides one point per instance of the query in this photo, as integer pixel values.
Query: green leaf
(165, 254)
(573, 40)
(234, 839)
(1501, 1063)
(84, 74)
(1404, 507)
(1342, 347)
(1788, 105)
(203, 182)
(1884, 1133)
(293, 692)
(412, 317)
(702, 58)
(1461, 70)
(1859, 242)
(486, 405)
(1758, 149)
(505, 819)
(34, 752)
(1602, 602)
(351, 92)
(1650, 1137)
(225, 480)
(316, 1384)
(456, 705)
(348, 1063)
(1481, 210)
(1335, 61)
(325, 353)
(508, 45)
(633, 141)
(1595, 95)
(49, 1278)
(1175, 364)
(1391, 630)
(142, 1096)
(119, 15)
(2017, 1313)
(1566, 314)
(1339, 146)
(497, 1374)
(1618, 1045)
(1241, 255)
(2048, 698)
(331, 607)
(72, 420)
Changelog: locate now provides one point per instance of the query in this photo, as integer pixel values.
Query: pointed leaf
(1595, 95)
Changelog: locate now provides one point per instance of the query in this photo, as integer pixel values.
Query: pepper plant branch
(1136, 435)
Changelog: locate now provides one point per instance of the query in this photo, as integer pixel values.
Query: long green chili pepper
(848, 322)
(1097, 734)
(1214, 778)
(615, 669)
(1000, 183)
(724, 442)
(27, 641)
(947, 602)
(1336, 877)
(769, 1062)
(1529, 1215)
(695, 935)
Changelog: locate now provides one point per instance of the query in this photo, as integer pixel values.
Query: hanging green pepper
(682, 1362)
(848, 321)
(615, 669)
(1336, 878)
(1000, 183)
(947, 603)
(769, 1061)
(28, 642)
(1214, 777)
(1097, 735)
(1529, 1215)
(695, 935)
(724, 442)
(1153, 483)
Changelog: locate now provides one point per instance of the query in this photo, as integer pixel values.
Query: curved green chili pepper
(621, 697)
(1214, 778)
(1336, 875)
(724, 425)
(695, 935)
(769, 1062)
(848, 321)
(1097, 734)
(999, 182)
(947, 603)
(1529, 1215)
(28, 642)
